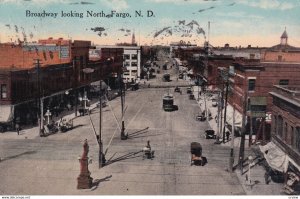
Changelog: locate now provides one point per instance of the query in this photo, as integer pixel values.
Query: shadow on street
(16, 156)
(127, 156)
(98, 181)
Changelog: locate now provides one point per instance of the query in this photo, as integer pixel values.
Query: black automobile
(192, 97)
(188, 90)
(180, 76)
(177, 89)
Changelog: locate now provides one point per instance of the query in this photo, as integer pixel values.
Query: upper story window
(126, 56)
(134, 56)
(133, 63)
(251, 84)
(3, 91)
(279, 57)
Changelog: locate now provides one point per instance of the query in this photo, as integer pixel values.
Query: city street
(35, 165)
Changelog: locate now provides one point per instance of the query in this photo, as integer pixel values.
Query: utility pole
(231, 159)
(218, 119)
(221, 111)
(251, 130)
(101, 155)
(225, 111)
(40, 100)
(75, 86)
(242, 144)
(123, 136)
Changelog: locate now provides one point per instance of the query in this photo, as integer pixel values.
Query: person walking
(227, 135)
(18, 128)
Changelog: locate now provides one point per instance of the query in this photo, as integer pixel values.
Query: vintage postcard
(149, 97)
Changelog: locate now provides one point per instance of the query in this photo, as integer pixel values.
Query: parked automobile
(177, 89)
(188, 90)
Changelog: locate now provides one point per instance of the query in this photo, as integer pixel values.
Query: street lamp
(48, 115)
(250, 163)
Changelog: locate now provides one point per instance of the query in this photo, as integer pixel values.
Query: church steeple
(284, 38)
(133, 39)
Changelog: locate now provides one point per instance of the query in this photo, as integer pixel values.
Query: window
(285, 133)
(297, 139)
(251, 84)
(3, 91)
(284, 82)
(274, 123)
(292, 136)
(252, 56)
(280, 126)
(134, 56)
(126, 56)
(133, 63)
(279, 57)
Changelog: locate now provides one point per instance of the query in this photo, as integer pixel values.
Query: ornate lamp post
(48, 115)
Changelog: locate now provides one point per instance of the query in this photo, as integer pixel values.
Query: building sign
(231, 70)
(64, 52)
(268, 117)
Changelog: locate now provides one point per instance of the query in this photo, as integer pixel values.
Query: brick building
(64, 65)
(131, 60)
(285, 130)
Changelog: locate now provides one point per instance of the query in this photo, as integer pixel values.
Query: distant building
(131, 61)
(246, 53)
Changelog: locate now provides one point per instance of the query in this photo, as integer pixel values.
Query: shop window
(3, 91)
(284, 82)
(251, 84)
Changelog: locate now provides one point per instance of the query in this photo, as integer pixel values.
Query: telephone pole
(242, 144)
(101, 155)
(225, 111)
(40, 113)
(123, 136)
(231, 159)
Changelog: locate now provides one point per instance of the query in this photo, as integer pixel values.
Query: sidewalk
(258, 185)
(33, 132)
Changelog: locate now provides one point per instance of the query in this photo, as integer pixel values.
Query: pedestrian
(227, 135)
(267, 177)
(18, 128)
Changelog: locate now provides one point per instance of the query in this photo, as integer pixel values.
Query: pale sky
(237, 22)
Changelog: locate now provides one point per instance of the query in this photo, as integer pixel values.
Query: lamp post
(48, 115)
(40, 100)
(250, 163)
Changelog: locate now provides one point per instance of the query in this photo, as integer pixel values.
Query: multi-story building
(63, 65)
(284, 150)
(131, 60)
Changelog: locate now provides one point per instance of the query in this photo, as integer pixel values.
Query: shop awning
(6, 113)
(276, 158)
(237, 117)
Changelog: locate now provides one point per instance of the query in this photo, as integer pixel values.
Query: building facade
(131, 61)
(23, 83)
